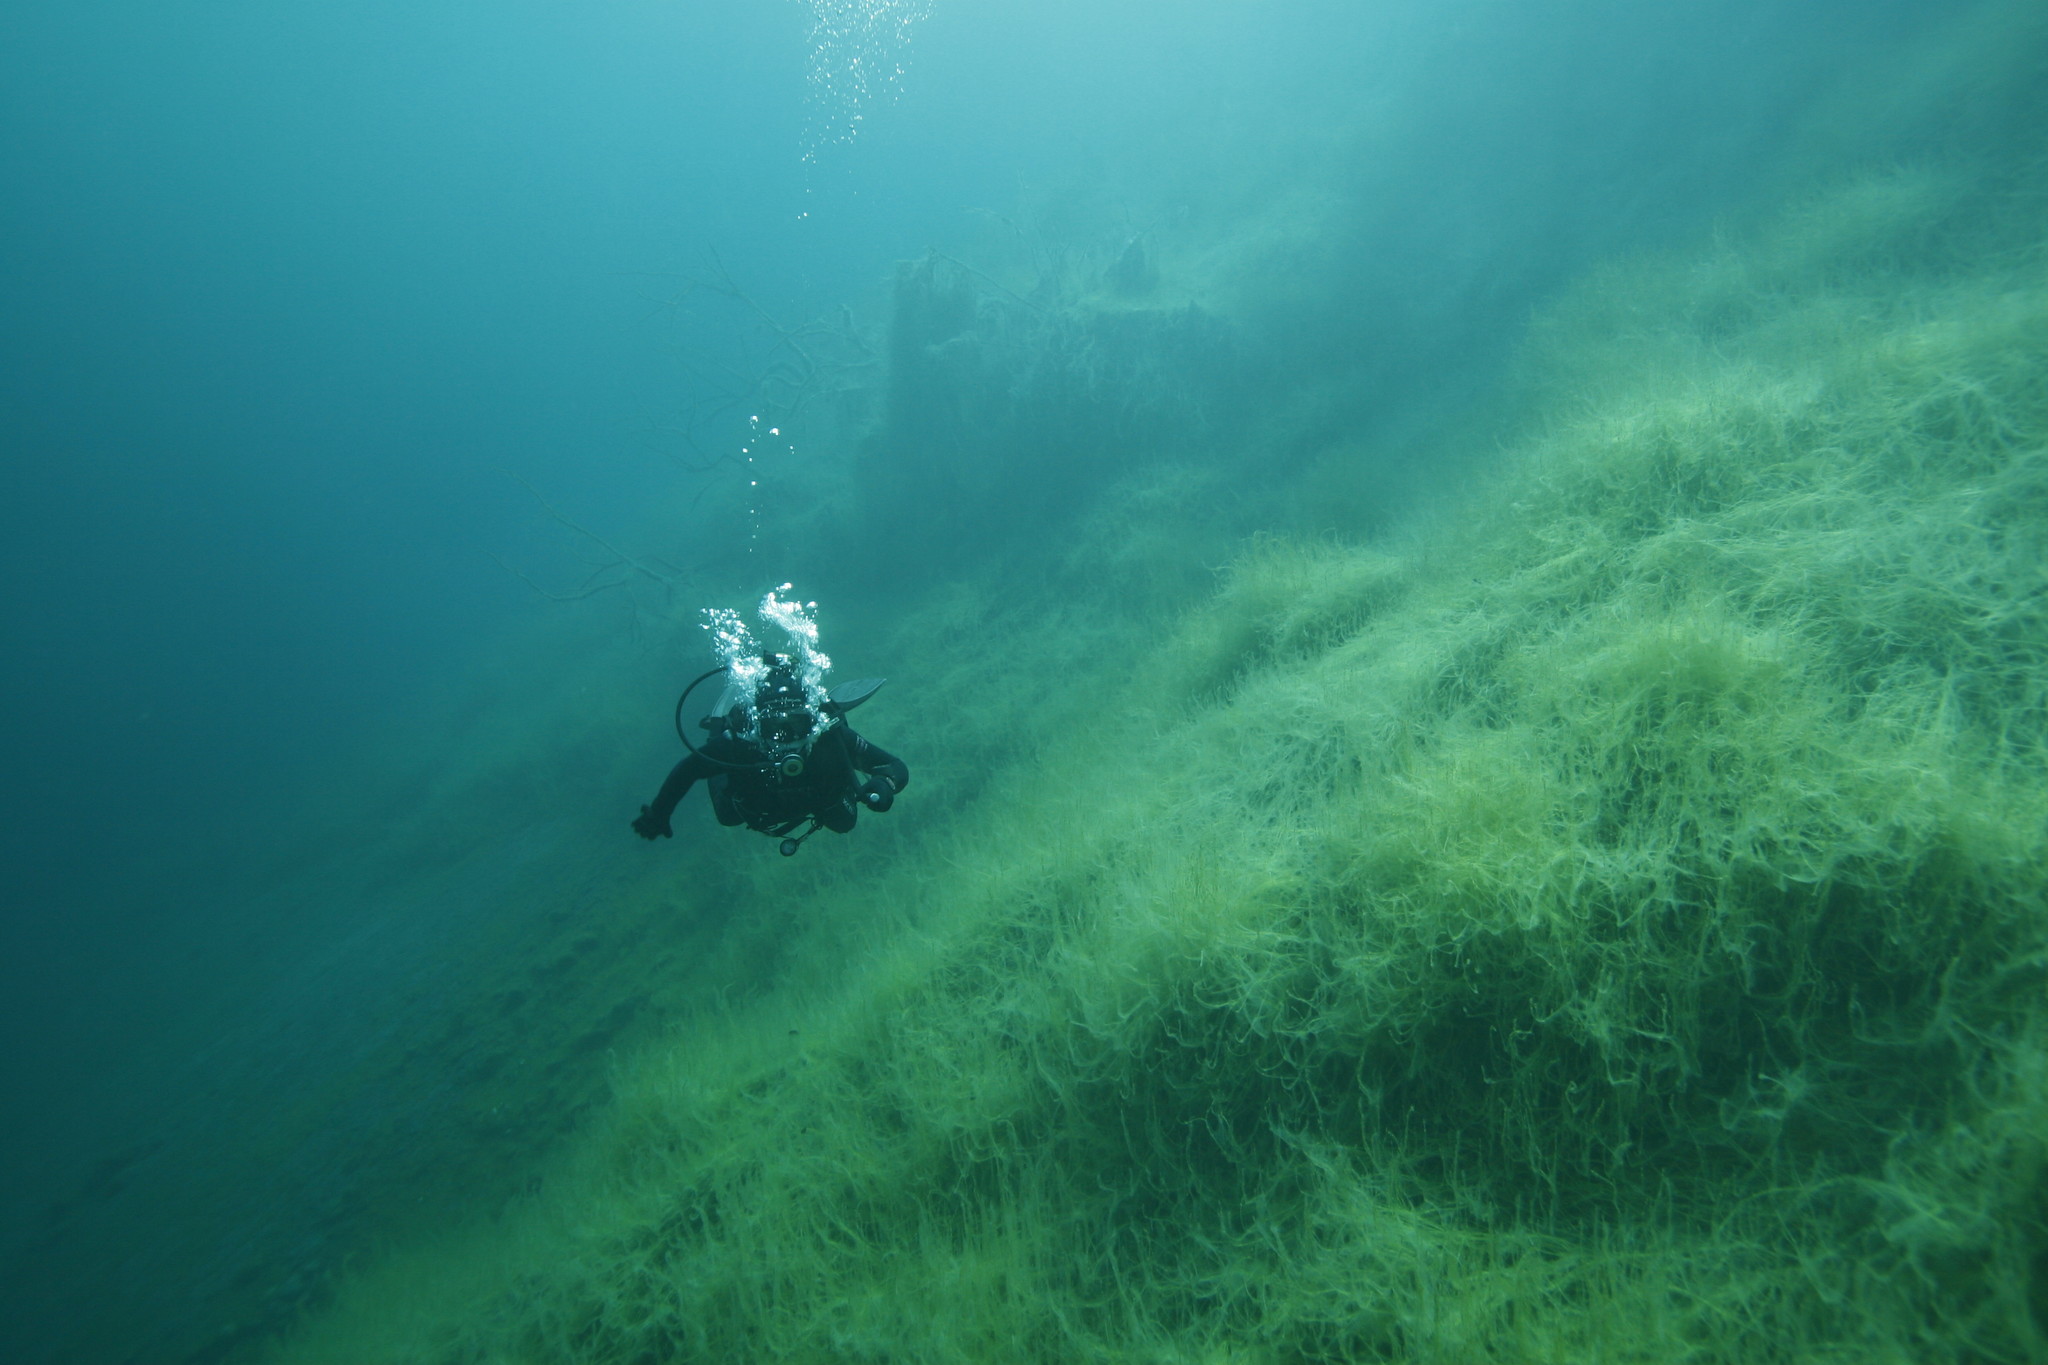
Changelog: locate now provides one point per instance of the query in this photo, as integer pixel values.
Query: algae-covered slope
(1607, 924)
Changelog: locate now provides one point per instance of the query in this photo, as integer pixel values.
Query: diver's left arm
(887, 774)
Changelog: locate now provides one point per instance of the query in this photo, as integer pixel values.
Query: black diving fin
(848, 695)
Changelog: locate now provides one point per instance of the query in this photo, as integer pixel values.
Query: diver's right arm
(652, 822)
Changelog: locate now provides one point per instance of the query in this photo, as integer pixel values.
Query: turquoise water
(1461, 586)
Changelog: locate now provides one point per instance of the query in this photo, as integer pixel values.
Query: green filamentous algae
(1598, 919)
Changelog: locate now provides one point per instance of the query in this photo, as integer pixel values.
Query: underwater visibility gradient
(1465, 586)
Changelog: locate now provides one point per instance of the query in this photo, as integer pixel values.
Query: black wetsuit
(759, 797)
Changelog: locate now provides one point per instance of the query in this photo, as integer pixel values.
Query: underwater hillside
(1595, 910)
(1464, 590)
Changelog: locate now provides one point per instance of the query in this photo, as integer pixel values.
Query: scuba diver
(781, 761)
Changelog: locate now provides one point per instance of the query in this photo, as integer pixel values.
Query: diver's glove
(878, 794)
(648, 825)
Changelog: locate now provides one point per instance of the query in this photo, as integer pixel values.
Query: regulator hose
(684, 735)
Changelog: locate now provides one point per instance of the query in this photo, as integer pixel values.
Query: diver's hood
(731, 714)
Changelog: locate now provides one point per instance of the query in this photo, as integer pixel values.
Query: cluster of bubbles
(747, 662)
(859, 50)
